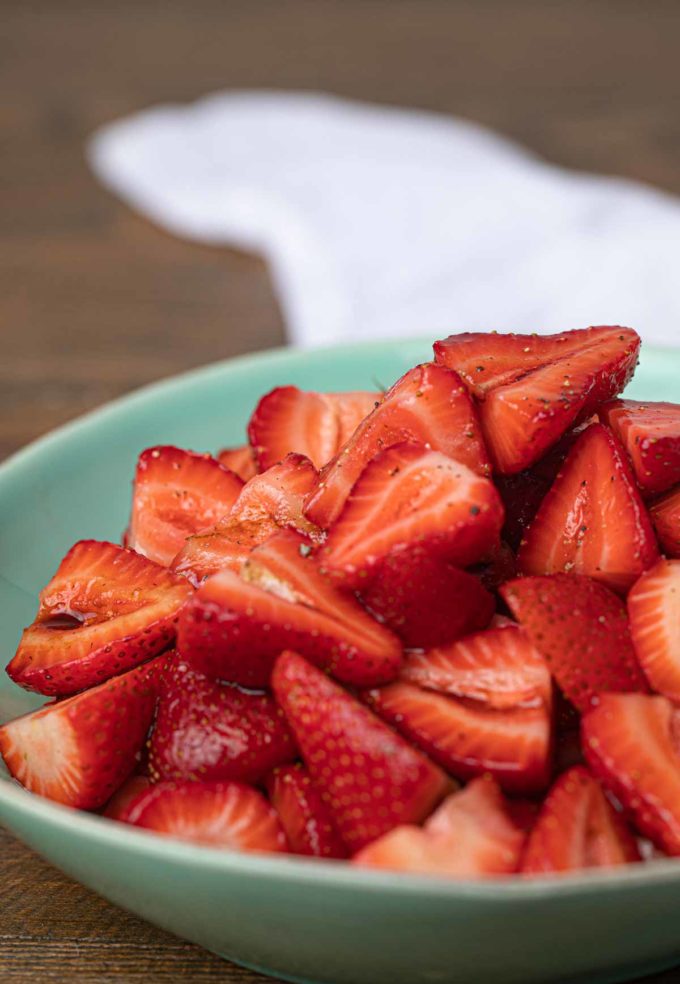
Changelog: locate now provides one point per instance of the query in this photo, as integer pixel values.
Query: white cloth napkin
(383, 222)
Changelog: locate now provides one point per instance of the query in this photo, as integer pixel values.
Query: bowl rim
(284, 868)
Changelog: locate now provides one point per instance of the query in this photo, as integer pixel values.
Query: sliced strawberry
(106, 610)
(214, 731)
(665, 515)
(80, 750)
(222, 814)
(411, 502)
(235, 626)
(533, 388)
(267, 503)
(240, 460)
(471, 835)
(654, 612)
(577, 828)
(371, 779)
(427, 602)
(631, 744)
(177, 494)
(581, 627)
(650, 433)
(429, 405)
(118, 805)
(313, 424)
(306, 818)
(593, 520)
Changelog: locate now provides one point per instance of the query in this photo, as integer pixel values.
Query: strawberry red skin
(654, 612)
(665, 515)
(106, 610)
(581, 627)
(240, 460)
(371, 779)
(212, 731)
(79, 751)
(305, 817)
(650, 433)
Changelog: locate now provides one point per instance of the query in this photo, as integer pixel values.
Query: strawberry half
(533, 388)
(106, 610)
(313, 424)
(650, 433)
(581, 627)
(471, 835)
(665, 515)
(177, 494)
(631, 744)
(80, 750)
(118, 805)
(214, 731)
(371, 779)
(305, 817)
(221, 814)
(429, 405)
(235, 627)
(593, 520)
(240, 460)
(577, 828)
(654, 612)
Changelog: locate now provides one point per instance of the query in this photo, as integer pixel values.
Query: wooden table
(95, 301)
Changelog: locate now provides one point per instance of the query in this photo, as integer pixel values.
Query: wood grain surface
(94, 301)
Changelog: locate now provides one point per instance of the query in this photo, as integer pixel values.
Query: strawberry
(235, 626)
(581, 628)
(665, 515)
(313, 424)
(428, 405)
(214, 731)
(177, 494)
(577, 828)
(631, 744)
(427, 602)
(304, 815)
(410, 502)
(650, 433)
(370, 778)
(220, 814)
(267, 503)
(499, 566)
(471, 835)
(533, 388)
(593, 520)
(118, 805)
(654, 612)
(80, 750)
(240, 460)
(106, 610)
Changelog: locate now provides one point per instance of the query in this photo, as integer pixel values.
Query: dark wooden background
(95, 302)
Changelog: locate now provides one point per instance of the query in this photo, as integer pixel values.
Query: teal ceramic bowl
(298, 919)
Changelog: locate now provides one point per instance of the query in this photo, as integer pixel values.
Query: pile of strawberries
(428, 630)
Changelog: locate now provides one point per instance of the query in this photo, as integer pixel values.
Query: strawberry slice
(577, 828)
(106, 610)
(427, 602)
(304, 815)
(240, 460)
(650, 433)
(118, 806)
(581, 627)
(234, 627)
(631, 744)
(371, 779)
(176, 494)
(428, 405)
(665, 515)
(411, 502)
(593, 520)
(80, 750)
(471, 835)
(221, 814)
(213, 731)
(313, 424)
(654, 612)
(267, 503)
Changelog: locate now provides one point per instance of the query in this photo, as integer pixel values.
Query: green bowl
(300, 919)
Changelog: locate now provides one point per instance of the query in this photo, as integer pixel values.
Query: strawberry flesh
(118, 805)
(304, 815)
(665, 515)
(654, 612)
(650, 433)
(240, 460)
